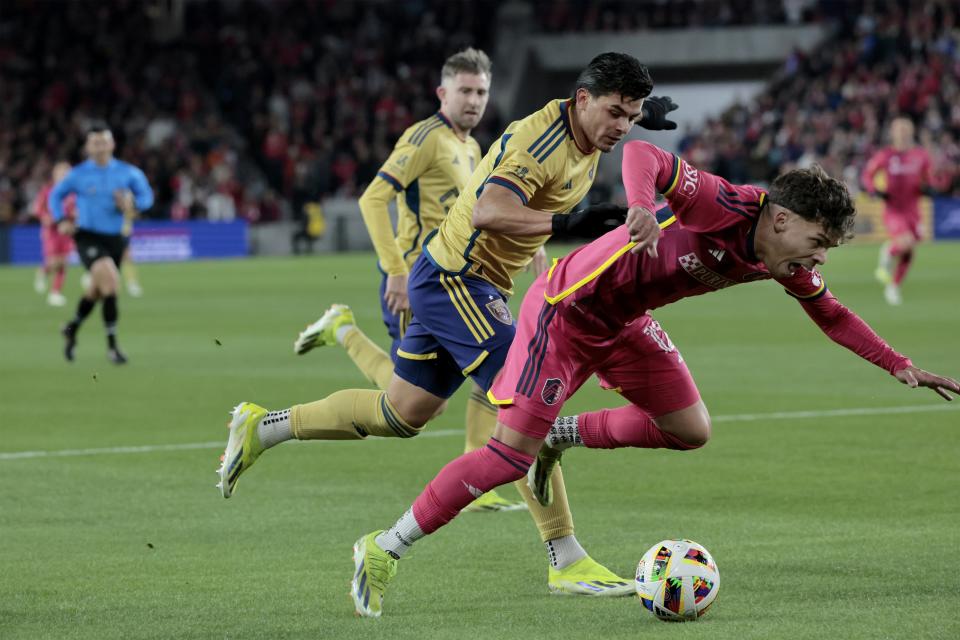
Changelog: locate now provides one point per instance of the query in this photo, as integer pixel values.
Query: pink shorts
(55, 243)
(550, 359)
(899, 224)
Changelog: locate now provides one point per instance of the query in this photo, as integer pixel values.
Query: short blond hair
(469, 60)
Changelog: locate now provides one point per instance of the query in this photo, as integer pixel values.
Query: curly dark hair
(615, 73)
(815, 196)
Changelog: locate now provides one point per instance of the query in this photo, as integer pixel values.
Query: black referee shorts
(92, 246)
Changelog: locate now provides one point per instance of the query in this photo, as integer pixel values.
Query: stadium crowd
(833, 105)
(242, 112)
(562, 16)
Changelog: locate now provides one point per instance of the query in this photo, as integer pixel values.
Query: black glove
(590, 223)
(655, 112)
(883, 195)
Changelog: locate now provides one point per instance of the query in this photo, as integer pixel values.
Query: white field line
(443, 433)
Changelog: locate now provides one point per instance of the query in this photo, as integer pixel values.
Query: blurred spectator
(834, 104)
(557, 16)
(240, 102)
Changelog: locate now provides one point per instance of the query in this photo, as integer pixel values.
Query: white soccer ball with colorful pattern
(677, 580)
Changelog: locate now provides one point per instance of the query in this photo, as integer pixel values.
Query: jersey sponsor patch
(520, 172)
(695, 267)
(689, 181)
(552, 391)
(500, 311)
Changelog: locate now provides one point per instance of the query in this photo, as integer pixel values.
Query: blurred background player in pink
(907, 169)
(56, 245)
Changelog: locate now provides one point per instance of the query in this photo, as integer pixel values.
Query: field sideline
(828, 495)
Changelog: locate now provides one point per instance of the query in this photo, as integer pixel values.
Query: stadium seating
(236, 112)
(833, 105)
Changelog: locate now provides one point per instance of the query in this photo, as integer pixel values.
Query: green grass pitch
(825, 525)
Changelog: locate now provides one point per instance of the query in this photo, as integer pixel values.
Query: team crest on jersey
(500, 311)
(695, 267)
(552, 391)
(521, 172)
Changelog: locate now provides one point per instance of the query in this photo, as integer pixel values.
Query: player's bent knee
(414, 405)
(698, 435)
(688, 428)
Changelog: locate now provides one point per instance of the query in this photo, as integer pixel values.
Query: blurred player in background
(520, 194)
(907, 170)
(425, 173)
(589, 315)
(107, 191)
(56, 245)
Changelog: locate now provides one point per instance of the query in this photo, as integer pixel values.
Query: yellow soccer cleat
(323, 332)
(538, 476)
(243, 446)
(373, 570)
(587, 577)
(883, 275)
(493, 501)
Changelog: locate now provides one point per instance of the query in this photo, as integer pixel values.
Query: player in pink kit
(56, 245)
(589, 314)
(907, 167)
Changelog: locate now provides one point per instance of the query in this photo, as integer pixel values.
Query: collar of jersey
(443, 119)
(751, 252)
(91, 163)
(564, 105)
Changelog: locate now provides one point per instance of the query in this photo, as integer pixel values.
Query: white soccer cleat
(134, 289)
(892, 295)
(323, 332)
(56, 299)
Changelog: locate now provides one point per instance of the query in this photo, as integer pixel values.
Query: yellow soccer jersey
(536, 158)
(426, 171)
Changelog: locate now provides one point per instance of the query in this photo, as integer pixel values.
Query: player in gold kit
(521, 193)
(424, 174)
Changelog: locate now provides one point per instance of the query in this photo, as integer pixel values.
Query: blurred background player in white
(424, 174)
(906, 167)
(107, 191)
(56, 245)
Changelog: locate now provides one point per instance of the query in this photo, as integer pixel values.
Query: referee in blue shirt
(107, 189)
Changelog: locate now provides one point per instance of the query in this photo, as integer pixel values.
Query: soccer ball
(677, 580)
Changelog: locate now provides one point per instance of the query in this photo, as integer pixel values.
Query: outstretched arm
(846, 328)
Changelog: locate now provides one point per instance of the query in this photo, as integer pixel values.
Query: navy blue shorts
(396, 323)
(461, 327)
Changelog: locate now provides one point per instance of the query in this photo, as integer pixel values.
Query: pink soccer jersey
(907, 172)
(706, 246)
